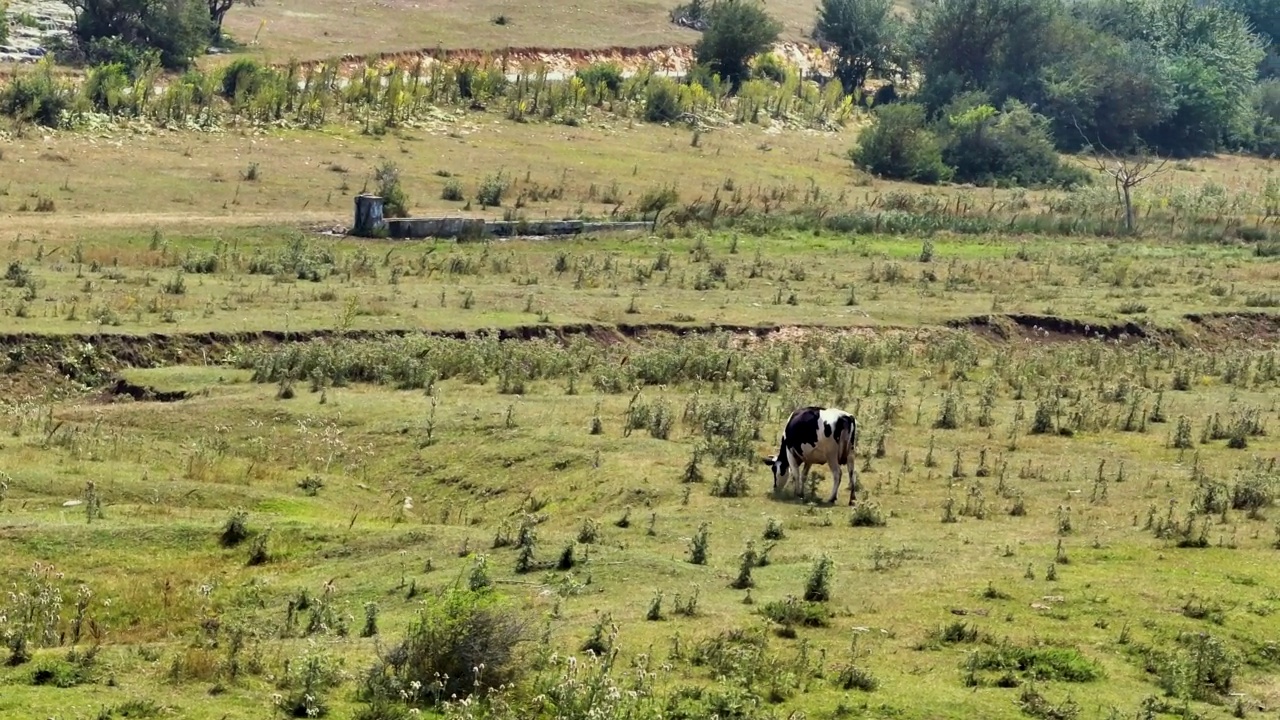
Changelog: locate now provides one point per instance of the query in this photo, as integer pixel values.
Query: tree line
(988, 89)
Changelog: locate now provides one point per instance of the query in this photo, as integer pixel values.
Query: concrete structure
(370, 222)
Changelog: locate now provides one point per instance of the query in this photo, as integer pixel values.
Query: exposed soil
(35, 364)
(1049, 328)
(142, 393)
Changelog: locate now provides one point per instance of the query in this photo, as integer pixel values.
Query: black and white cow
(816, 435)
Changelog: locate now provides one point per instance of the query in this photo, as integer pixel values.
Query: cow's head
(777, 464)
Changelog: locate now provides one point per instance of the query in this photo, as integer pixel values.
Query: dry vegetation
(327, 28)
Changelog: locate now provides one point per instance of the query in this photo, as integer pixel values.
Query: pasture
(245, 458)
(1048, 525)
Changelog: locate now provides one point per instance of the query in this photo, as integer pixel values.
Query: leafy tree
(177, 29)
(1108, 89)
(736, 30)
(1211, 56)
(1264, 17)
(900, 146)
(218, 10)
(868, 37)
(998, 46)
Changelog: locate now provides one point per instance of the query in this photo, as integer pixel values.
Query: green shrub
(662, 100)
(105, 85)
(242, 75)
(489, 194)
(900, 146)
(989, 147)
(609, 73)
(36, 97)
(454, 635)
(395, 202)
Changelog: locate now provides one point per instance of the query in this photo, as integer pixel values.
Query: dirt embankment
(671, 59)
(1197, 329)
(39, 362)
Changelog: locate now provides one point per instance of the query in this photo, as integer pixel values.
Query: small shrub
(792, 612)
(867, 514)
(698, 545)
(452, 191)
(852, 677)
(818, 586)
(491, 189)
(463, 641)
(395, 201)
(662, 101)
(608, 73)
(773, 530)
(235, 529)
(258, 553)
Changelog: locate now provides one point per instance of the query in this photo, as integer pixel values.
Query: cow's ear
(770, 460)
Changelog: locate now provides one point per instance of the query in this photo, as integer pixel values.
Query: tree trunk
(1128, 209)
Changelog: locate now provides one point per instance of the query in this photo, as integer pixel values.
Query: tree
(1127, 174)
(177, 29)
(1210, 54)
(218, 10)
(1264, 17)
(1112, 89)
(868, 37)
(736, 30)
(997, 46)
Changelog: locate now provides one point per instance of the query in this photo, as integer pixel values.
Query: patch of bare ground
(1234, 327)
(1050, 329)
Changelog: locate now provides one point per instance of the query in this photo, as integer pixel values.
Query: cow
(815, 435)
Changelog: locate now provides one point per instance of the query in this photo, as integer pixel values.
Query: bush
(662, 101)
(609, 73)
(455, 634)
(395, 202)
(36, 97)
(4, 22)
(900, 146)
(242, 75)
(104, 86)
(988, 147)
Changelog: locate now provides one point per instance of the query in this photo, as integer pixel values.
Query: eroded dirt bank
(35, 362)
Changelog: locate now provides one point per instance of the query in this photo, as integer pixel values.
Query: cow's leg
(835, 479)
(853, 477)
(802, 479)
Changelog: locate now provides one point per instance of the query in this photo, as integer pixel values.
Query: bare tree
(1126, 172)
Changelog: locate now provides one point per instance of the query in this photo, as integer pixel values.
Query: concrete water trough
(371, 222)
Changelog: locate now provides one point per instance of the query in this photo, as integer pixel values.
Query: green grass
(273, 278)
(414, 468)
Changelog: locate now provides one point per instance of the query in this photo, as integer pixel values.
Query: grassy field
(327, 28)
(1045, 547)
(241, 456)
